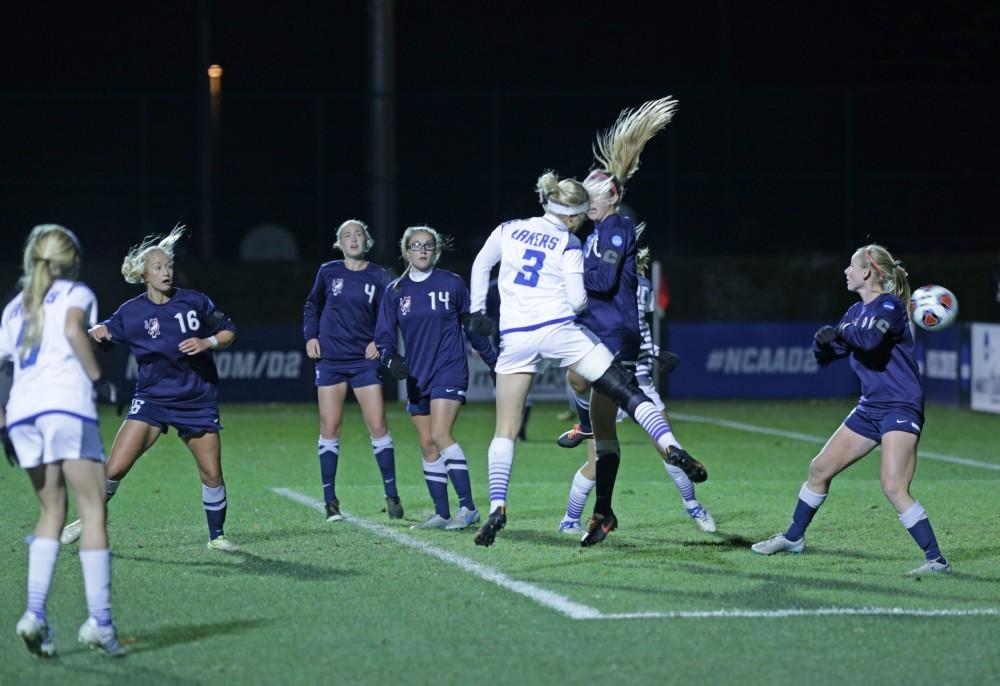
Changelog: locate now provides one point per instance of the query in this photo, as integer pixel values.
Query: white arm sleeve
(488, 256)
(576, 294)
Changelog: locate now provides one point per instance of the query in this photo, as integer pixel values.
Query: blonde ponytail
(134, 264)
(888, 270)
(51, 252)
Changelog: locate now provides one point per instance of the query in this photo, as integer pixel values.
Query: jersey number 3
(528, 276)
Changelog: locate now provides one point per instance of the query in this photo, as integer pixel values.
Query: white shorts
(55, 436)
(525, 351)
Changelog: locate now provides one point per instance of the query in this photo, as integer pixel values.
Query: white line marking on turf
(809, 438)
(574, 610)
(548, 599)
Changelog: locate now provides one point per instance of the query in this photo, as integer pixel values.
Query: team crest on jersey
(404, 305)
(337, 286)
(152, 327)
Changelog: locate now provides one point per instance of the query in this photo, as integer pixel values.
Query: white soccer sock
(96, 566)
(42, 555)
(501, 460)
(578, 494)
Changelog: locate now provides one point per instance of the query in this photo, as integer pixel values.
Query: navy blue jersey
(153, 333)
(428, 315)
(609, 275)
(342, 308)
(878, 338)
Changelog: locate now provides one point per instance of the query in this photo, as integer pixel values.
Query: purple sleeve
(215, 319)
(385, 326)
(116, 326)
(313, 307)
(613, 242)
(888, 321)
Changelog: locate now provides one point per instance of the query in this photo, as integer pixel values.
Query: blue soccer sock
(214, 499)
(436, 477)
(42, 556)
(608, 459)
(578, 493)
(681, 481)
(501, 460)
(916, 522)
(385, 456)
(805, 508)
(458, 472)
(329, 453)
(582, 403)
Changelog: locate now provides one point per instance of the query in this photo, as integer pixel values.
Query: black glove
(396, 364)
(8, 447)
(493, 375)
(108, 393)
(826, 335)
(668, 360)
(479, 324)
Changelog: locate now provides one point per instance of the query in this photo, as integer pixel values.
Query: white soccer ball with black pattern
(933, 308)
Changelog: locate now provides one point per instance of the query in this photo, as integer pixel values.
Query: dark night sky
(846, 119)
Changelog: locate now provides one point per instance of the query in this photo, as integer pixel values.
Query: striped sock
(681, 481)
(436, 477)
(214, 499)
(649, 418)
(805, 509)
(501, 460)
(916, 522)
(578, 493)
(329, 453)
(458, 472)
(385, 456)
(42, 555)
(96, 566)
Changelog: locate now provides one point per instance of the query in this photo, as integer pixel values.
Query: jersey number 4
(528, 276)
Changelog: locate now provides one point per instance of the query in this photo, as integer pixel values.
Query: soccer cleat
(598, 529)
(71, 532)
(463, 519)
(574, 437)
(435, 521)
(938, 566)
(779, 544)
(393, 506)
(103, 637)
(494, 524)
(36, 635)
(679, 457)
(701, 517)
(333, 511)
(221, 543)
(570, 526)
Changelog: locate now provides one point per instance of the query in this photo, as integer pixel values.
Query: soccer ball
(933, 308)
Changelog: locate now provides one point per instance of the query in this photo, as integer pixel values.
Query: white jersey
(541, 274)
(49, 377)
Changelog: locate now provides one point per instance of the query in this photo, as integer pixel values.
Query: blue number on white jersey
(32, 355)
(528, 276)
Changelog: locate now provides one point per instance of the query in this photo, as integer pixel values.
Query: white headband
(566, 209)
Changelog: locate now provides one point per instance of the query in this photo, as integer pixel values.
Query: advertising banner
(985, 391)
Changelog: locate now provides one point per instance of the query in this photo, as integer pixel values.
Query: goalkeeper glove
(479, 324)
(396, 364)
(826, 335)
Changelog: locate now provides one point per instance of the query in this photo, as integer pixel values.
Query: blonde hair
(50, 252)
(888, 271)
(134, 264)
(642, 256)
(369, 241)
(617, 150)
(569, 192)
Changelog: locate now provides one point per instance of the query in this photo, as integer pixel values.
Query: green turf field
(369, 601)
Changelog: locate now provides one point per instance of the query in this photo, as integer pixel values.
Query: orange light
(215, 72)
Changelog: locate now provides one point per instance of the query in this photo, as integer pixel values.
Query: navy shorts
(421, 405)
(189, 421)
(874, 423)
(627, 352)
(357, 374)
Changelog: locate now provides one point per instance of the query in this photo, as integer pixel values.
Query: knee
(818, 472)
(429, 449)
(577, 382)
(895, 490)
(212, 477)
(441, 440)
(329, 429)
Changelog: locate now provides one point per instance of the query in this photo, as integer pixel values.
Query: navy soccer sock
(385, 456)
(916, 522)
(608, 460)
(805, 508)
(329, 453)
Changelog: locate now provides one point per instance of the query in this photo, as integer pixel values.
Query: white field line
(573, 610)
(810, 438)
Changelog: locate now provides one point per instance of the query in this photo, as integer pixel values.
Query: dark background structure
(804, 130)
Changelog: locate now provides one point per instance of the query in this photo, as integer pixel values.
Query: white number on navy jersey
(439, 297)
(136, 405)
(192, 321)
(370, 290)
